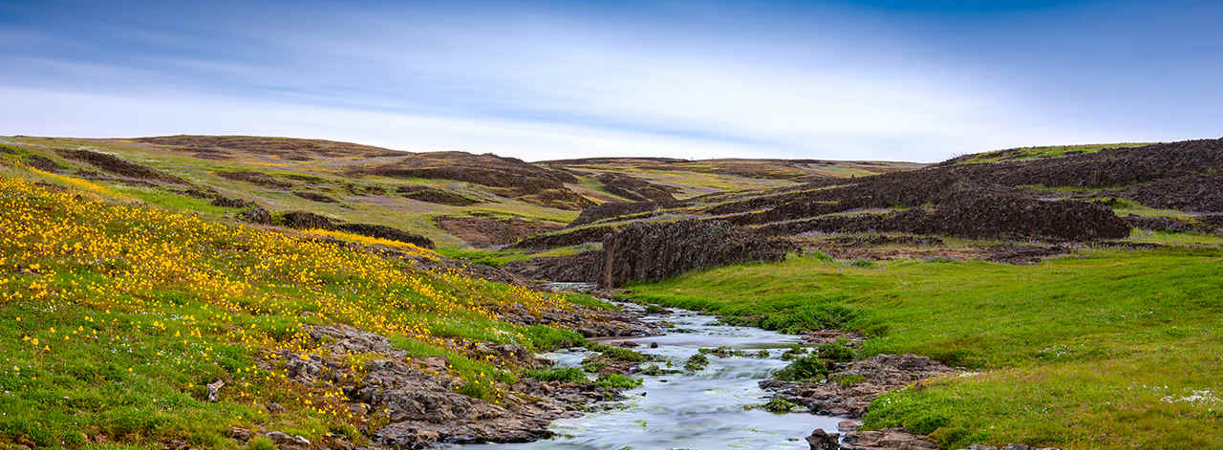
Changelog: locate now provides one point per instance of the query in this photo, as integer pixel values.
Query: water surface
(703, 410)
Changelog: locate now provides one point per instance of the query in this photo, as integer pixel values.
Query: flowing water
(703, 410)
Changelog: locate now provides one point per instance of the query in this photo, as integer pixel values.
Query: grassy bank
(117, 315)
(1106, 349)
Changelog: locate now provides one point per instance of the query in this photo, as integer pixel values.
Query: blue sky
(892, 80)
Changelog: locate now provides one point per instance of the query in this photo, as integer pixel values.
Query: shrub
(617, 381)
(260, 443)
(807, 368)
(567, 374)
(836, 352)
(696, 362)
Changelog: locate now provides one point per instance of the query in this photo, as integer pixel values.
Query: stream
(707, 409)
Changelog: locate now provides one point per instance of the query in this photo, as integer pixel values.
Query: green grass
(1053, 151)
(1100, 350)
(568, 375)
(117, 316)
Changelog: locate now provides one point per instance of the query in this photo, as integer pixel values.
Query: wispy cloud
(553, 81)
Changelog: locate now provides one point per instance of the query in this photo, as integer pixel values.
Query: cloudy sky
(896, 80)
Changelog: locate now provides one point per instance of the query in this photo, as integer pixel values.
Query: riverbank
(1103, 349)
(700, 389)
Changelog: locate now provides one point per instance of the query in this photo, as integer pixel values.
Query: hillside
(130, 324)
(453, 199)
(1010, 209)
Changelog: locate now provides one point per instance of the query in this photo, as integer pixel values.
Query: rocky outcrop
(635, 189)
(651, 251)
(385, 232)
(877, 375)
(885, 439)
(417, 399)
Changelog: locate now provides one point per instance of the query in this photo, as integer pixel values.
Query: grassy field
(1104, 349)
(1051, 151)
(118, 313)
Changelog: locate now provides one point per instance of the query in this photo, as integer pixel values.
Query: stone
(214, 390)
(821, 440)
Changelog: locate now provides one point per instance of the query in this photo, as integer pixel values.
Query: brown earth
(315, 196)
(256, 178)
(614, 209)
(1191, 193)
(487, 231)
(117, 166)
(635, 189)
(432, 195)
(220, 147)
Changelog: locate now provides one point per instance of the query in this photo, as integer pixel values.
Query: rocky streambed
(718, 405)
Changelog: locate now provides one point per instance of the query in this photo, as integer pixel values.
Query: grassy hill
(119, 313)
(455, 199)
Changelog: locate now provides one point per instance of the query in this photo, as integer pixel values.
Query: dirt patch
(487, 231)
(636, 189)
(487, 169)
(878, 374)
(432, 195)
(117, 166)
(44, 164)
(315, 196)
(220, 147)
(256, 178)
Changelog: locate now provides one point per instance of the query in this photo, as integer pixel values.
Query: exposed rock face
(486, 231)
(635, 189)
(886, 439)
(514, 177)
(651, 251)
(118, 166)
(432, 195)
(821, 440)
(315, 197)
(418, 395)
(614, 209)
(256, 215)
(255, 178)
(385, 232)
(304, 220)
(583, 267)
(881, 373)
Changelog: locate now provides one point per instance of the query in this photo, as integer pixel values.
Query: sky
(869, 80)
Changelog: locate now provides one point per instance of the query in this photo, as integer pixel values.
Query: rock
(256, 215)
(214, 389)
(885, 439)
(240, 434)
(879, 374)
(653, 345)
(275, 408)
(282, 439)
(848, 425)
(820, 440)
